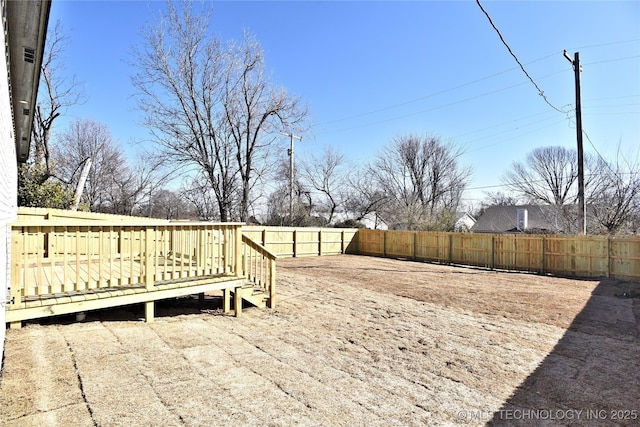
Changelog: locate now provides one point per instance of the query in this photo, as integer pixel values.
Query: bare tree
(423, 181)
(133, 184)
(327, 175)
(113, 185)
(211, 106)
(86, 139)
(615, 199)
(199, 194)
(278, 200)
(498, 198)
(256, 112)
(550, 175)
(57, 93)
(167, 204)
(363, 198)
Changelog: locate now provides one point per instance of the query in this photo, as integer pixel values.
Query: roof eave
(26, 28)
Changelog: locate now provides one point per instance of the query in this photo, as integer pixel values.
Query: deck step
(257, 296)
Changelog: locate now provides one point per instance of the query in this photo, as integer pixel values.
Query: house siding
(8, 185)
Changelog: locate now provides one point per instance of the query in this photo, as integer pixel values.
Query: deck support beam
(149, 311)
(15, 325)
(226, 300)
(120, 297)
(237, 301)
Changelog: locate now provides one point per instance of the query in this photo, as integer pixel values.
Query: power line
(471, 150)
(616, 174)
(613, 60)
(540, 91)
(613, 97)
(617, 113)
(536, 181)
(437, 107)
(431, 95)
(604, 44)
(401, 104)
(517, 120)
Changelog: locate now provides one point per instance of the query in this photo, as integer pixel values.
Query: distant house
(463, 221)
(516, 219)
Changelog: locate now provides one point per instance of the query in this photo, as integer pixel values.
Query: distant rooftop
(503, 219)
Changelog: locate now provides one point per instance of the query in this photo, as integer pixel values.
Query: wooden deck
(68, 266)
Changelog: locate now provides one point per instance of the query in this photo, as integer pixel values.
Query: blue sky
(370, 71)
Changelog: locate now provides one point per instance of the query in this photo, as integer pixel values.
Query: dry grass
(353, 341)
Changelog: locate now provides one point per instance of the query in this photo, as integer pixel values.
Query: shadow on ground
(592, 376)
(190, 304)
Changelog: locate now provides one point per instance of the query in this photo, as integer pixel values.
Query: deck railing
(66, 258)
(259, 266)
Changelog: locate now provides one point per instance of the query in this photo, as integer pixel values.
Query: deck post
(272, 284)
(227, 249)
(17, 281)
(148, 257)
(226, 300)
(149, 314)
(239, 265)
(15, 325)
(237, 301)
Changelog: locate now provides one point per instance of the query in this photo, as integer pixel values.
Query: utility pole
(583, 208)
(291, 174)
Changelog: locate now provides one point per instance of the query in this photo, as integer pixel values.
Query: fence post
(493, 252)
(415, 245)
(320, 242)
(264, 237)
(544, 254)
(608, 256)
(295, 243)
(384, 243)
(342, 242)
(450, 248)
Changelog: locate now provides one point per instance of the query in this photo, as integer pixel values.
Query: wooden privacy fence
(301, 241)
(580, 256)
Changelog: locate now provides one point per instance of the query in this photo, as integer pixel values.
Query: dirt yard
(354, 341)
